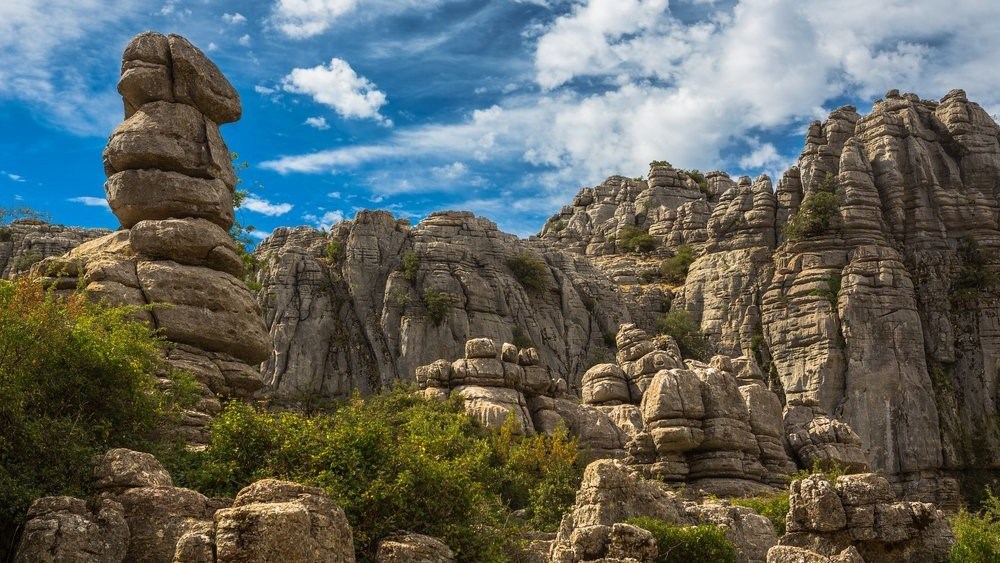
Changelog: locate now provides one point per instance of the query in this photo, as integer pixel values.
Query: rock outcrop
(612, 493)
(25, 242)
(136, 514)
(171, 183)
(861, 512)
(364, 305)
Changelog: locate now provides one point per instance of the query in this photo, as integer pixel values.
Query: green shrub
(832, 290)
(557, 226)
(691, 341)
(530, 271)
(663, 163)
(76, 379)
(818, 213)
(599, 355)
(438, 305)
(521, 339)
(333, 250)
(411, 264)
(6, 235)
(686, 544)
(635, 239)
(773, 507)
(675, 268)
(395, 461)
(977, 534)
(27, 260)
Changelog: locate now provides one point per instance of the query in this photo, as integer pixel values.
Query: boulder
(413, 548)
(66, 529)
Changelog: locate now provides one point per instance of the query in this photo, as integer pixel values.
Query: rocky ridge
(25, 242)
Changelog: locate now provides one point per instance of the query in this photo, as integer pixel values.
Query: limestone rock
(198, 82)
(413, 548)
(65, 529)
(278, 520)
(26, 242)
(135, 195)
(121, 469)
(605, 384)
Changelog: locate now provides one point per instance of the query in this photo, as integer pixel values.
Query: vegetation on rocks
(411, 263)
(333, 250)
(977, 534)
(531, 272)
(396, 461)
(438, 304)
(974, 275)
(76, 379)
(675, 268)
(687, 333)
(636, 239)
(683, 544)
(818, 213)
(773, 507)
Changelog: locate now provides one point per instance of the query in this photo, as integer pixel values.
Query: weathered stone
(605, 384)
(65, 530)
(413, 548)
(135, 195)
(480, 348)
(121, 469)
(198, 82)
(192, 242)
(492, 406)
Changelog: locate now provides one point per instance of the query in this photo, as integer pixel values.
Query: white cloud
(244, 40)
(763, 154)
(300, 19)
(12, 176)
(317, 123)
(91, 201)
(453, 171)
(212, 47)
(263, 90)
(264, 207)
(234, 19)
(260, 235)
(338, 86)
(327, 220)
(333, 195)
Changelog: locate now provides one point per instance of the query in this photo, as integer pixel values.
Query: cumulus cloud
(317, 123)
(264, 207)
(244, 40)
(234, 19)
(338, 86)
(91, 201)
(12, 176)
(300, 19)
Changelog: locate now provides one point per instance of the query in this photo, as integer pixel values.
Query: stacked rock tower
(171, 184)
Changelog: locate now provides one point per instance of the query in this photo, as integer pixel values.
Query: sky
(505, 107)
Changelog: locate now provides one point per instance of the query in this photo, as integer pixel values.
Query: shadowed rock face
(355, 308)
(170, 183)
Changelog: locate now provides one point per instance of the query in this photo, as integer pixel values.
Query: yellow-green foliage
(675, 268)
(438, 304)
(687, 544)
(636, 239)
(397, 462)
(772, 507)
(76, 379)
(977, 534)
(411, 264)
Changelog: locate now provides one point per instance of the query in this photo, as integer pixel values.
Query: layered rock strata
(25, 242)
(364, 305)
(170, 183)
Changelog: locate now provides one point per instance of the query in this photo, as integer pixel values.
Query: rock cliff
(364, 305)
(25, 242)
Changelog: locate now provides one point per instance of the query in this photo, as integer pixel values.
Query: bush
(773, 507)
(657, 163)
(675, 268)
(438, 304)
(684, 544)
(557, 226)
(27, 260)
(688, 335)
(411, 264)
(530, 271)
(333, 250)
(76, 379)
(974, 275)
(977, 535)
(396, 462)
(832, 290)
(635, 239)
(818, 213)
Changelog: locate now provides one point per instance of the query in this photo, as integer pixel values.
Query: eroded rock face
(25, 242)
(861, 512)
(413, 548)
(368, 303)
(170, 183)
(611, 492)
(66, 529)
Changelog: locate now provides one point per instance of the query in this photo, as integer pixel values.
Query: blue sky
(504, 107)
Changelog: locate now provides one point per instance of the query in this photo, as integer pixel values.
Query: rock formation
(364, 305)
(877, 314)
(170, 183)
(25, 242)
(136, 514)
